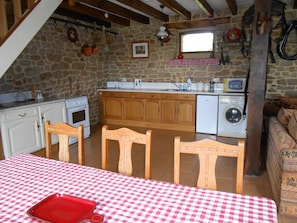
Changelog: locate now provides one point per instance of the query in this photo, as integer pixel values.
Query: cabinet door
(152, 110)
(134, 109)
(186, 113)
(186, 109)
(169, 108)
(56, 113)
(152, 107)
(21, 135)
(112, 108)
(168, 111)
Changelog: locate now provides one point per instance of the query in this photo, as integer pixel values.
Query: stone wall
(56, 66)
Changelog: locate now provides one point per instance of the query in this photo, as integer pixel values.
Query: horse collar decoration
(277, 9)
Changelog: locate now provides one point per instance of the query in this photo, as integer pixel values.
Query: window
(195, 42)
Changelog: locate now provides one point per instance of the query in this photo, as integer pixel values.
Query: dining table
(26, 181)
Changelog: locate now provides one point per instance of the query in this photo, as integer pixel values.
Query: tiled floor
(162, 162)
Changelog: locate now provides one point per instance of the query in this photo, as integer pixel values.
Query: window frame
(196, 32)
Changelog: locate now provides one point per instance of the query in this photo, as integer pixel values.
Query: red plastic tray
(61, 208)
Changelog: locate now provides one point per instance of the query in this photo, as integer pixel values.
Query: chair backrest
(208, 151)
(64, 131)
(126, 137)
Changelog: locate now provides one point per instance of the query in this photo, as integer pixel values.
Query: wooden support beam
(116, 9)
(3, 19)
(257, 83)
(17, 10)
(205, 7)
(198, 23)
(96, 14)
(295, 4)
(232, 6)
(176, 7)
(30, 3)
(81, 17)
(71, 2)
(140, 6)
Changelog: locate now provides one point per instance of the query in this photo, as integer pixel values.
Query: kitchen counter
(27, 103)
(170, 91)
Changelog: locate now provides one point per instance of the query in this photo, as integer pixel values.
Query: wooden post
(17, 10)
(30, 3)
(71, 2)
(3, 19)
(257, 83)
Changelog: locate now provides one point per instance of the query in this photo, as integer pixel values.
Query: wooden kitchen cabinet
(172, 111)
(133, 106)
(169, 108)
(152, 107)
(112, 105)
(186, 109)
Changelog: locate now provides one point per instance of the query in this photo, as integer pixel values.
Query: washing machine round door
(233, 115)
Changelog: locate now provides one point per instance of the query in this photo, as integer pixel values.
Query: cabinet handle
(23, 115)
(38, 126)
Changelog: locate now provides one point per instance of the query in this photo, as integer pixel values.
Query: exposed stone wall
(56, 66)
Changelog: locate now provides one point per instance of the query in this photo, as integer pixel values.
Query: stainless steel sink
(171, 90)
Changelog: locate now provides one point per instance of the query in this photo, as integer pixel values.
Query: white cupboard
(55, 112)
(20, 131)
(22, 128)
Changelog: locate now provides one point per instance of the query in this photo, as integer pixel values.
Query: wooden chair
(64, 131)
(208, 151)
(126, 137)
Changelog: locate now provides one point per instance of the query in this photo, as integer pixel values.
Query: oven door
(78, 115)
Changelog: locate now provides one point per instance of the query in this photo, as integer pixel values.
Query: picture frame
(140, 49)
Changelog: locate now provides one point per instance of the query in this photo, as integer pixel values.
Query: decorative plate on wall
(233, 35)
(72, 34)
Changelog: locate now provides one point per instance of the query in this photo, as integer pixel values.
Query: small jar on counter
(211, 86)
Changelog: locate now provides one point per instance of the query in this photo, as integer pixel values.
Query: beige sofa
(281, 160)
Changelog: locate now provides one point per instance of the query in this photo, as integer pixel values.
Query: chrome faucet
(179, 86)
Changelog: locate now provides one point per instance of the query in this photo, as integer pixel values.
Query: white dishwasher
(207, 113)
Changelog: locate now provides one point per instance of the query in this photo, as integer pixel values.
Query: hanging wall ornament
(166, 39)
(72, 34)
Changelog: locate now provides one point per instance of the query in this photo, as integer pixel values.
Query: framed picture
(140, 49)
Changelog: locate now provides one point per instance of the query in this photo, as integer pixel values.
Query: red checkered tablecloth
(26, 179)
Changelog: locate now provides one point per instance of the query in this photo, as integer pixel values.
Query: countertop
(26, 103)
(170, 91)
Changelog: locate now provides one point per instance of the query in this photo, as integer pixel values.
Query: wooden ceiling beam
(205, 7)
(71, 2)
(142, 7)
(98, 14)
(198, 23)
(176, 7)
(117, 10)
(232, 6)
(81, 17)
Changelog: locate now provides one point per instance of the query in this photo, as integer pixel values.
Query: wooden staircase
(12, 13)
(20, 20)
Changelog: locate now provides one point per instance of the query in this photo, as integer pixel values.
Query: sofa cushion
(283, 144)
(281, 138)
(284, 115)
(292, 126)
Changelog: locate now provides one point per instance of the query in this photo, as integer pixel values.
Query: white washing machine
(231, 121)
